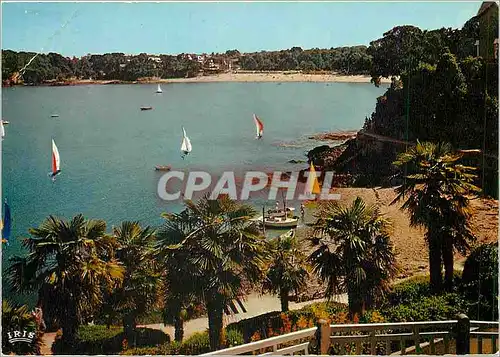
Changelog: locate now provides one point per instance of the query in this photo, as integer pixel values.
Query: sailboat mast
(263, 220)
(1, 191)
(284, 203)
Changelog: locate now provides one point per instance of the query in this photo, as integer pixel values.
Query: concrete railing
(275, 343)
(379, 338)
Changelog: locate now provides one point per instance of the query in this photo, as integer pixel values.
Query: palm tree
(353, 253)
(139, 290)
(287, 270)
(224, 251)
(435, 192)
(71, 261)
(18, 318)
(180, 297)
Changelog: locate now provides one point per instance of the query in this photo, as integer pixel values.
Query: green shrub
(196, 344)
(413, 289)
(427, 308)
(140, 351)
(480, 282)
(92, 333)
(173, 348)
(98, 339)
(92, 340)
(234, 338)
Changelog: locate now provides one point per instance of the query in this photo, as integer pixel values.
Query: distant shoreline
(232, 77)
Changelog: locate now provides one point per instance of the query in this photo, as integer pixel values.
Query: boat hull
(275, 223)
(162, 168)
(289, 223)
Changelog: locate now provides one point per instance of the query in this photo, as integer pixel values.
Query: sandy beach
(277, 77)
(409, 242)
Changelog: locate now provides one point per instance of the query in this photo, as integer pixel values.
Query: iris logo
(21, 336)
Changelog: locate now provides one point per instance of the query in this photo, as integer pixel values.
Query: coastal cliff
(357, 161)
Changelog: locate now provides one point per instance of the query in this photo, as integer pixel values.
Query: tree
(138, 292)
(435, 193)
(396, 52)
(233, 53)
(354, 253)
(226, 253)
(307, 66)
(287, 270)
(180, 295)
(73, 261)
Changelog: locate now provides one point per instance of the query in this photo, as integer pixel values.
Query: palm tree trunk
(69, 324)
(129, 324)
(356, 304)
(436, 279)
(179, 328)
(447, 254)
(215, 324)
(284, 300)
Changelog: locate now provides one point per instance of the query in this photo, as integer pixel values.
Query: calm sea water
(109, 147)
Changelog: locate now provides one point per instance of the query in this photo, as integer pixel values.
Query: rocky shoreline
(334, 136)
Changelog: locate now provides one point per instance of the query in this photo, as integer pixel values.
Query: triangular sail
(259, 126)
(313, 185)
(56, 161)
(159, 89)
(2, 129)
(186, 143)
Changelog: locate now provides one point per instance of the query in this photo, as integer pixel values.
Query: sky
(76, 29)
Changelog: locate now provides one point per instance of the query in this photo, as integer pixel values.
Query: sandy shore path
(255, 305)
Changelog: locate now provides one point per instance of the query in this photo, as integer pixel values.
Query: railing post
(323, 337)
(462, 334)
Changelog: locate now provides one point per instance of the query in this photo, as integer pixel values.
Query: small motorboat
(281, 222)
(163, 167)
(54, 115)
(279, 218)
(146, 108)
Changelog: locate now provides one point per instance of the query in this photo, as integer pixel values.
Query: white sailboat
(159, 89)
(186, 144)
(56, 162)
(259, 126)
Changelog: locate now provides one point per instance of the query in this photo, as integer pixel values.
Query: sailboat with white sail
(186, 144)
(56, 162)
(259, 126)
(159, 89)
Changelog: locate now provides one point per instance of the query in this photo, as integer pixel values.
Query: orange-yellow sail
(313, 184)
